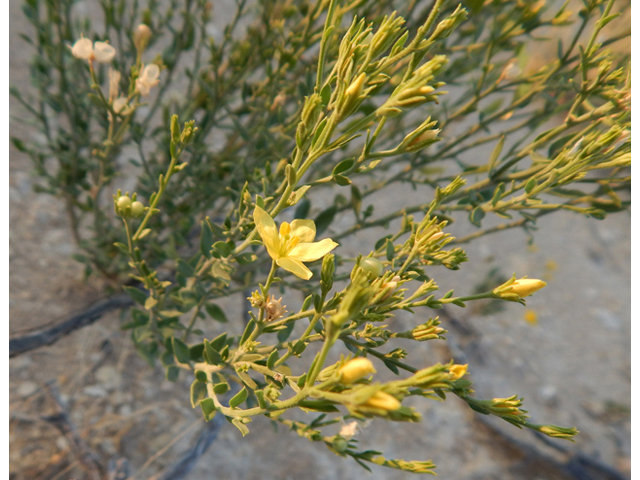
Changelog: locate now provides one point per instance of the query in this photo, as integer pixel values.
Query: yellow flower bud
(524, 287)
(458, 371)
(383, 401)
(357, 86)
(355, 369)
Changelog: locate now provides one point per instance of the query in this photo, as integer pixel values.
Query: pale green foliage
(318, 96)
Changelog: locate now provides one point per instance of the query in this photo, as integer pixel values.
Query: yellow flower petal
(268, 232)
(305, 230)
(308, 252)
(294, 266)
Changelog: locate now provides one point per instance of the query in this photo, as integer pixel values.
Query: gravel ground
(570, 360)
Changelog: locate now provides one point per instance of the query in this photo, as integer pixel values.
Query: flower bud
(123, 202)
(372, 266)
(558, 432)
(524, 287)
(383, 401)
(137, 208)
(141, 37)
(355, 369)
(340, 444)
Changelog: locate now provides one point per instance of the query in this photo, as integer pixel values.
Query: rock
(26, 389)
(95, 391)
(109, 377)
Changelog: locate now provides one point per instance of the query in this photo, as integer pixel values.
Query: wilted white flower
(120, 105)
(148, 79)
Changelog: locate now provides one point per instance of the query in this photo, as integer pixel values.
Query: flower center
(287, 242)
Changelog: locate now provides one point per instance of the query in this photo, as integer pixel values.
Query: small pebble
(26, 389)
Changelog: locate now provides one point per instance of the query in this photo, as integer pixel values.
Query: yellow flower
(292, 245)
(457, 371)
(383, 401)
(356, 369)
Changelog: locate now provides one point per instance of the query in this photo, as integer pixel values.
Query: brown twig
(86, 458)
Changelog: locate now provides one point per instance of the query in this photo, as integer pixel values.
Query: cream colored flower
(120, 106)
(292, 244)
(148, 78)
(103, 52)
(99, 51)
(83, 49)
(355, 369)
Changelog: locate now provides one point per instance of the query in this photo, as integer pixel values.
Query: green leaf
(196, 351)
(247, 331)
(284, 334)
(273, 358)
(208, 408)
(216, 312)
(302, 210)
(206, 239)
(247, 380)
(496, 153)
(325, 218)
(476, 216)
(201, 376)
(239, 398)
(172, 373)
(198, 392)
(497, 194)
(531, 184)
(341, 180)
(223, 248)
(343, 166)
(138, 295)
(390, 250)
(219, 342)
(221, 388)
(240, 426)
(180, 350)
(211, 354)
(356, 199)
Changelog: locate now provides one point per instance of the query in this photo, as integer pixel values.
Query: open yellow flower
(292, 244)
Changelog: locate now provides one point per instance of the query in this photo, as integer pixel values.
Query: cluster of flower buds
(128, 207)
(427, 331)
(85, 49)
(416, 90)
(120, 104)
(420, 138)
